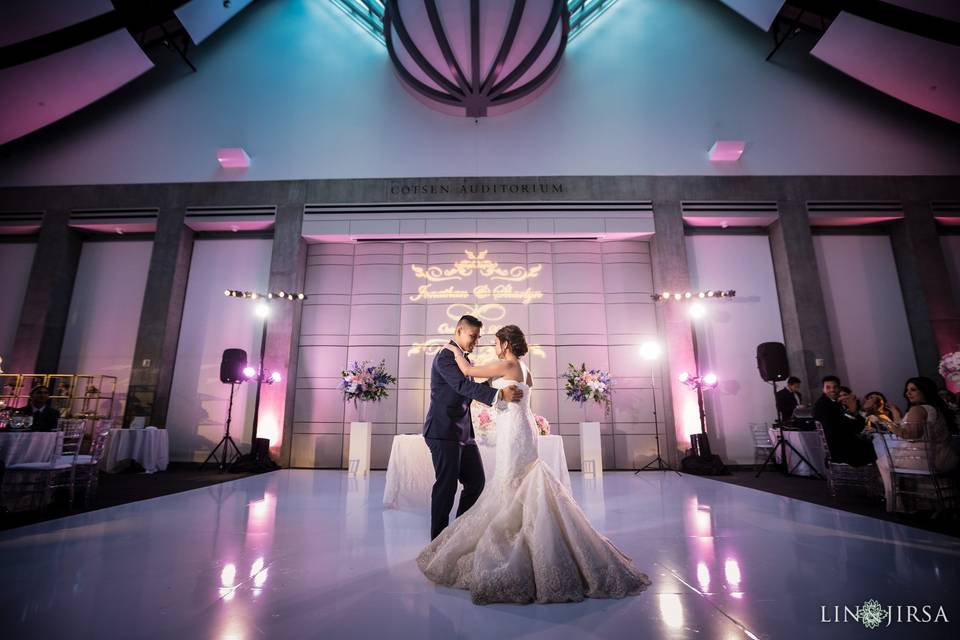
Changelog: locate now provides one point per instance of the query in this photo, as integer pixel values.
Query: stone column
(46, 305)
(288, 265)
(803, 313)
(155, 354)
(932, 311)
(671, 273)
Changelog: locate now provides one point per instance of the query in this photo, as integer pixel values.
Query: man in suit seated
(45, 417)
(842, 426)
(788, 399)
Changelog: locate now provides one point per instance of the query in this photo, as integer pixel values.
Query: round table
(28, 446)
(150, 447)
(410, 474)
(808, 444)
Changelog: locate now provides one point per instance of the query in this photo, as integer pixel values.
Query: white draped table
(28, 446)
(808, 444)
(410, 474)
(25, 446)
(150, 447)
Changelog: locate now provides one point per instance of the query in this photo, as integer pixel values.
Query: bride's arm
(490, 370)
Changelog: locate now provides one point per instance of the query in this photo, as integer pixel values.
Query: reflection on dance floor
(299, 554)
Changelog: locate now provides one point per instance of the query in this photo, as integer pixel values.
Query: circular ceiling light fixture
(473, 58)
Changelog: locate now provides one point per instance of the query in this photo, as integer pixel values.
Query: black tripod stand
(782, 445)
(226, 442)
(659, 461)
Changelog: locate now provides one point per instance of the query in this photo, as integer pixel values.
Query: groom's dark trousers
(453, 463)
(448, 432)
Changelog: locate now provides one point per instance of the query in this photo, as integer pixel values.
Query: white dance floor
(313, 554)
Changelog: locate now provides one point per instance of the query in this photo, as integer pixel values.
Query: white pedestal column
(591, 457)
(358, 453)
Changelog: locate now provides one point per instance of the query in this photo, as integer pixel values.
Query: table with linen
(150, 447)
(808, 444)
(410, 473)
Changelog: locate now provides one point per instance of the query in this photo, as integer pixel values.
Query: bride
(526, 539)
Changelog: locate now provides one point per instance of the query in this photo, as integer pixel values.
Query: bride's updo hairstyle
(513, 336)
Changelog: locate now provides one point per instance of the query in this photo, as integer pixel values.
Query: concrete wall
(104, 315)
(729, 334)
(951, 251)
(865, 311)
(590, 302)
(646, 90)
(15, 262)
(211, 323)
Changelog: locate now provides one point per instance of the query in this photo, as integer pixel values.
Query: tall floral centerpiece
(582, 386)
(950, 370)
(365, 382)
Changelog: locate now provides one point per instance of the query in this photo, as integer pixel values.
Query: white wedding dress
(526, 539)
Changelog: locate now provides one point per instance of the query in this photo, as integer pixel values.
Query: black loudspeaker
(232, 364)
(772, 361)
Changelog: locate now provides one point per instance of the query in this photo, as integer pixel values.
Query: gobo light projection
(485, 300)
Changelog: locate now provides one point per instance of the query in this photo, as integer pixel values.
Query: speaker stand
(783, 444)
(226, 442)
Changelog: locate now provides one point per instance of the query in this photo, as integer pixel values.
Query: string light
(690, 295)
(254, 295)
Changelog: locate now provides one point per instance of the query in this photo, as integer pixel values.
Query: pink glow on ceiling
(727, 150)
(259, 224)
(42, 91)
(730, 221)
(850, 221)
(917, 70)
(233, 158)
(118, 228)
(19, 229)
(604, 237)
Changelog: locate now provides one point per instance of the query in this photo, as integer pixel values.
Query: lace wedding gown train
(526, 539)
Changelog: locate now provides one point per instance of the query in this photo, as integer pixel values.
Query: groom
(448, 429)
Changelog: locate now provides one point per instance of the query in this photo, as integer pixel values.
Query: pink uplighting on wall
(233, 158)
(727, 150)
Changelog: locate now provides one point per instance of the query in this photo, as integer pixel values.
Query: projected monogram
(483, 301)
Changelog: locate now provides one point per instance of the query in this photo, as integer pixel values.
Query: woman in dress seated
(925, 438)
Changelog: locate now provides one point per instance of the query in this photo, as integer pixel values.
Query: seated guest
(849, 400)
(880, 414)
(842, 425)
(926, 420)
(45, 417)
(788, 399)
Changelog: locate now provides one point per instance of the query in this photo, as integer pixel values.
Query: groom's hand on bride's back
(511, 394)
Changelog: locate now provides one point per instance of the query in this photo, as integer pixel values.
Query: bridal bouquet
(542, 425)
(583, 386)
(364, 382)
(950, 367)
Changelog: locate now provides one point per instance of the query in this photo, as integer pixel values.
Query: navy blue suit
(448, 432)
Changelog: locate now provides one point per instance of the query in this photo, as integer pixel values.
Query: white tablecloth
(29, 446)
(808, 444)
(410, 474)
(149, 447)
